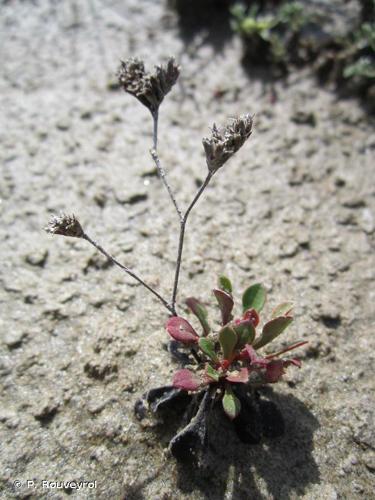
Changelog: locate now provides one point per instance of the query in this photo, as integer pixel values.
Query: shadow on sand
(281, 459)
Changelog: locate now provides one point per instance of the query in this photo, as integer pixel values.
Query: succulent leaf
(245, 333)
(181, 330)
(240, 376)
(228, 341)
(226, 303)
(231, 403)
(208, 347)
(271, 330)
(283, 309)
(200, 312)
(254, 297)
(252, 316)
(212, 374)
(187, 380)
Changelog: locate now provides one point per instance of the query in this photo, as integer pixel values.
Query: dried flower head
(225, 142)
(149, 88)
(66, 225)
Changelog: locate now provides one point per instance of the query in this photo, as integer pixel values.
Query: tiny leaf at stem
(254, 297)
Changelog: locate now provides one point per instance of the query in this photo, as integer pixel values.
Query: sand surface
(80, 341)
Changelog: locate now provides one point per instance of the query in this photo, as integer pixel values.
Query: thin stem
(171, 309)
(182, 236)
(155, 118)
(164, 179)
(160, 169)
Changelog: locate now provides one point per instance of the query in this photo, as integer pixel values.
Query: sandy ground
(80, 342)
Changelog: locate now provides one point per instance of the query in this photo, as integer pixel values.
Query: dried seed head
(149, 88)
(225, 142)
(66, 225)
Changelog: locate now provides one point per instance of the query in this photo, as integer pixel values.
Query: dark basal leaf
(271, 330)
(193, 437)
(254, 297)
(226, 303)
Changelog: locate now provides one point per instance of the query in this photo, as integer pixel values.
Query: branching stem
(182, 236)
(164, 179)
(170, 308)
(182, 217)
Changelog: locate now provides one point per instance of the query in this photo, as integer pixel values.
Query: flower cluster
(66, 225)
(149, 88)
(230, 357)
(224, 142)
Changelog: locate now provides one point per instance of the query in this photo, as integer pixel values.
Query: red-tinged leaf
(255, 360)
(208, 347)
(187, 380)
(241, 376)
(181, 330)
(254, 297)
(252, 315)
(228, 341)
(231, 403)
(200, 312)
(274, 371)
(225, 284)
(211, 374)
(226, 303)
(271, 330)
(245, 332)
(287, 349)
(283, 309)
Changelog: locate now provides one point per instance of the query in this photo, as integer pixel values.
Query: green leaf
(212, 373)
(208, 347)
(282, 309)
(228, 340)
(245, 331)
(225, 284)
(271, 330)
(200, 312)
(231, 403)
(254, 297)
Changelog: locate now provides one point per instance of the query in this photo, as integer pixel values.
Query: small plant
(270, 37)
(219, 361)
(229, 357)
